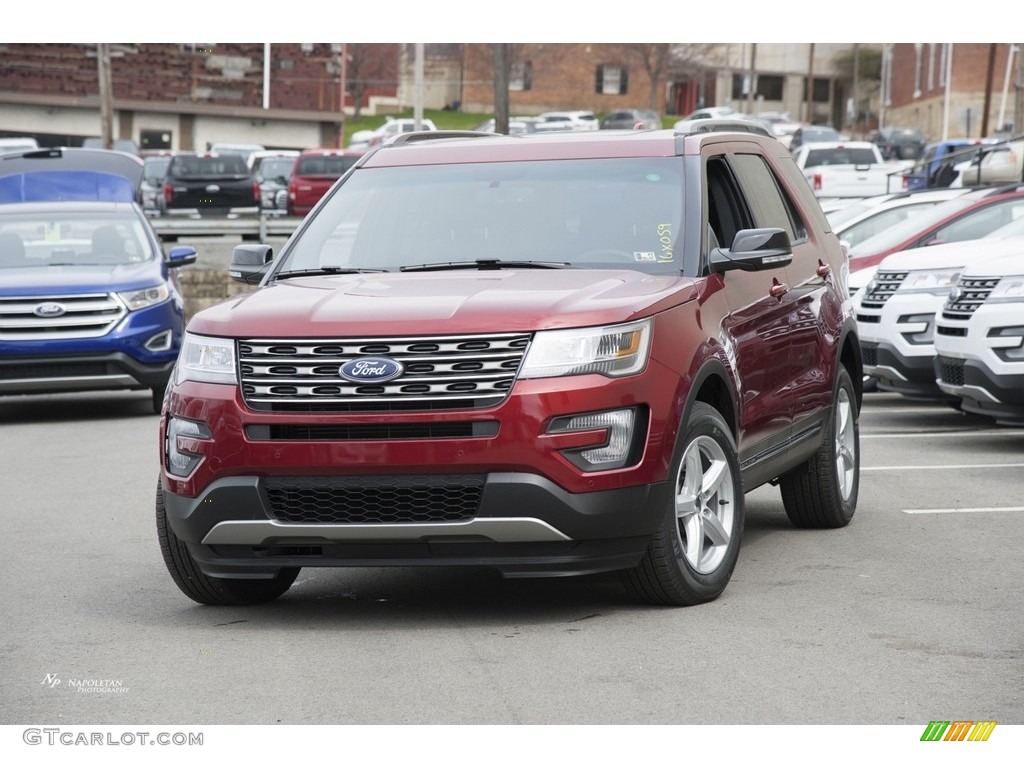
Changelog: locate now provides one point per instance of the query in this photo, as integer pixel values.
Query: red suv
(314, 172)
(552, 355)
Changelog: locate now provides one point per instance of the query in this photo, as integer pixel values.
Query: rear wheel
(207, 589)
(691, 557)
(822, 493)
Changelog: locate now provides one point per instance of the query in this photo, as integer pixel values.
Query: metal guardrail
(171, 228)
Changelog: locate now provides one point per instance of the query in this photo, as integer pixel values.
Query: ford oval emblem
(371, 370)
(49, 309)
(954, 294)
(212, 188)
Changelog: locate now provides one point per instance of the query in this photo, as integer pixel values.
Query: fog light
(924, 334)
(179, 462)
(161, 342)
(613, 451)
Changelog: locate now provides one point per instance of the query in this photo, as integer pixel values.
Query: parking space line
(904, 467)
(961, 509)
(954, 433)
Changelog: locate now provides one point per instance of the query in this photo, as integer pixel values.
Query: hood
(490, 301)
(1007, 265)
(31, 281)
(953, 255)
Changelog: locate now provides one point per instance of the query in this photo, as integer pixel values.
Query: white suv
(979, 339)
(896, 311)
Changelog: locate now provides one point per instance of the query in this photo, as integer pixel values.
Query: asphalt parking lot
(910, 614)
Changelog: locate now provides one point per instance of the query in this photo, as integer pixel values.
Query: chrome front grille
(58, 316)
(970, 293)
(882, 287)
(471, 371)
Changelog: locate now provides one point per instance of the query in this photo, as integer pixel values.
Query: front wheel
(207, 589)
(822, 493)
(691, 557)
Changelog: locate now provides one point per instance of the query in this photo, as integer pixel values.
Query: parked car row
(939, 298)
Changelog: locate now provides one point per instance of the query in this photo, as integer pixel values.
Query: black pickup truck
(209, 184)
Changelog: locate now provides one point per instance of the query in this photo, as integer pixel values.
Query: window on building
(821, 90)
(520, 76)
(611, 79)
(768, 87)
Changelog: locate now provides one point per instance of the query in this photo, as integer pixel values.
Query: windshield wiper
(326, 271)
(485, 264)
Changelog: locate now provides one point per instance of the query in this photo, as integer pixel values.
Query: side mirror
(753, 250)
(249, 263)
(181, 255)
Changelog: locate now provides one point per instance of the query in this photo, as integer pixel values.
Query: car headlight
(613, 350)
(205, 358)
(1008, 289)
(933, 281)
(145, 297)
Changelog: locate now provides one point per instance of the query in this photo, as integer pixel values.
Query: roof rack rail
(721, 124)
(410, 137)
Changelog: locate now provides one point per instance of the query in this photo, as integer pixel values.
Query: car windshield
(325, 165)
(840, 156)
(611, 213)
(899, 233)
(64, 238)
(272, 169)
(211, 165)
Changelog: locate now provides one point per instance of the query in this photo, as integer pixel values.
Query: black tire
(158, 393)
(822, 493)
(691, 557)
(206, 589)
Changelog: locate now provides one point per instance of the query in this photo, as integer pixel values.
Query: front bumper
(120, 359)
(524, 525)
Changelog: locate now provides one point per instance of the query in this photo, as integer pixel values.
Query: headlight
(933, 281)
(145, 297)
(204, 358)
(1008, 289)
(613, 350)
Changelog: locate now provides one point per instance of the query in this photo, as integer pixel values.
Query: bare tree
(369, 65)
(654, 59)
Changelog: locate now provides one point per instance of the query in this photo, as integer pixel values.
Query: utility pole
(106, 95)
(750, 87)
(342, 76)
(501, 77)
(989, 75)
(809, 116)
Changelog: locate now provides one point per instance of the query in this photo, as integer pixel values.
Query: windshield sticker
(665, 239)
(644, 256)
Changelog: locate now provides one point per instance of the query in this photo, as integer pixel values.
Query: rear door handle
(778, 289)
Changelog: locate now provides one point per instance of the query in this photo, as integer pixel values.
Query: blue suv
(87, 299)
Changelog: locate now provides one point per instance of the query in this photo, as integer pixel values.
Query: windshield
(210, 165)
(271, 169)
(840, 156)
(622, 213)
(899, 233)
(325, 165)
(53, 238)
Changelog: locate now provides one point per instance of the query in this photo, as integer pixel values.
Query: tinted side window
(768, 204)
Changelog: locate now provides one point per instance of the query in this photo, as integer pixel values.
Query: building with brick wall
(950, 90)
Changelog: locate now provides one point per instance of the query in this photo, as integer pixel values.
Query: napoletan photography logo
(958, 730)
(85, 684)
